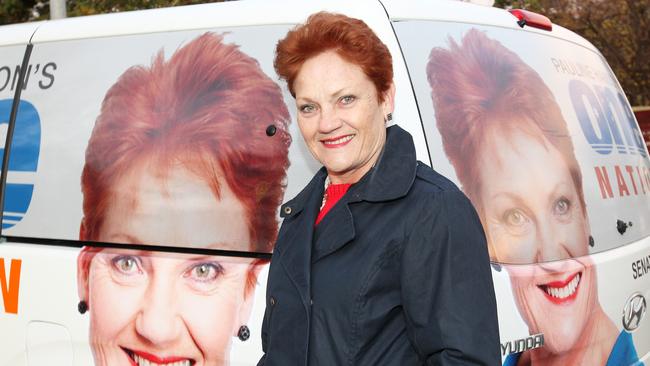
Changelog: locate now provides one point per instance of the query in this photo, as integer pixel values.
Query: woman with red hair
(379, 260)
(190, 152)
(509, 144)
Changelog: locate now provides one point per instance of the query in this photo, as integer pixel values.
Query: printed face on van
(164, 308)
(340, 117)
(532, 214)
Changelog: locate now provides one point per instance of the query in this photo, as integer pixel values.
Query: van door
(536, 130)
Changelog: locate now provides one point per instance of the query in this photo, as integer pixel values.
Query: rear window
(169, 139)
(538, 134)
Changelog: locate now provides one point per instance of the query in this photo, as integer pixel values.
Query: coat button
(272, 301)
(287, 210)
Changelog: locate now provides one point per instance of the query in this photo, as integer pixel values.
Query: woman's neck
(593, 347)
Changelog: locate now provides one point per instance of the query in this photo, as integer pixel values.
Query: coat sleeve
(447, 288)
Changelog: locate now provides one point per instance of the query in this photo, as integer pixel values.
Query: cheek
(212, 319)
(510, 248)
(112, 306)
(577, 240)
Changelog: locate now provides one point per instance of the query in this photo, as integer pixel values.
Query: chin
(559, 309)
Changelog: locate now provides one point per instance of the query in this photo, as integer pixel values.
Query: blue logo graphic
(606, 120)
(25, 150)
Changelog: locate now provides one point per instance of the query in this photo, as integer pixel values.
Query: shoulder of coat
(433, 180)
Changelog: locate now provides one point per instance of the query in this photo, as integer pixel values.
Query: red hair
(480, 85)
(350, 38)
(207, 109)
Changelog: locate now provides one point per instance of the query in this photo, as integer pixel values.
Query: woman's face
(168, 309)
(533, 217)
(340, 117)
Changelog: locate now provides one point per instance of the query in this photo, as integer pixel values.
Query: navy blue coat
(397, 273)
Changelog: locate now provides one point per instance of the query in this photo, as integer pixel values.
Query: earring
(82, 307)
(244, 333)
(389, 117)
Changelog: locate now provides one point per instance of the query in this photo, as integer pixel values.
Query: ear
(83, 269)
(388, 105)
(246, 307)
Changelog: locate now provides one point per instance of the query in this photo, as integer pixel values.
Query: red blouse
(333, 194)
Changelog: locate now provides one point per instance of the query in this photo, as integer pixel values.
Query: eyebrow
(334, 95)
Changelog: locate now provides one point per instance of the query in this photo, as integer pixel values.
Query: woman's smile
(563, 291)
(141, 358)
(338, 141)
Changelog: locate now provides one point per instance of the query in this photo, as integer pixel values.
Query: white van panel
(16, 34)
(462, 12)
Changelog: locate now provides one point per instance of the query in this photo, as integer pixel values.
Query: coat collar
(391, 178)
(394, 173)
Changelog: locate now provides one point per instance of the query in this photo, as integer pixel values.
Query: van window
(26, 142)
(169, 139)
(538, 134)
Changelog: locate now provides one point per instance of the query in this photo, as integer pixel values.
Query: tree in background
(620, 29)
(18, 11)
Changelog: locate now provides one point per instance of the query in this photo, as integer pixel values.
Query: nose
(329, 120)
(551, 245)
(158, 320)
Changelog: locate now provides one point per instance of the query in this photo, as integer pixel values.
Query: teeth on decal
(339, 141)
(566, 291)
(143, 362)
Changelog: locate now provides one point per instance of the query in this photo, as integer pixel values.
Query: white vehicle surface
(133, 227)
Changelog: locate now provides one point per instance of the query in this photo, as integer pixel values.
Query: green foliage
(18, 11)
(620, 29)
(89, 7)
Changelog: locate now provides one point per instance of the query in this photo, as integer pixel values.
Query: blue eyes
(205, 272)
(347, 99)
(516, 217)
(307, 108)
(344, 101)
(129, 266)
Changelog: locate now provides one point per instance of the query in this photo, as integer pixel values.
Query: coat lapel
(295, 241)
(334, 231)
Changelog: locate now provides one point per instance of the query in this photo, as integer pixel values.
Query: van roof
(261, 12)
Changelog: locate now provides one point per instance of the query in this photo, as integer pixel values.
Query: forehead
(328, 73)
(518, 159)
(174, 207)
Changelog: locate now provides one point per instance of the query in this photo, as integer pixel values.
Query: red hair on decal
(207, 109)
(479, 86)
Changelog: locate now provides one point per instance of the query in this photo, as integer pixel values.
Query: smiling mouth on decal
(139, 358)
(560, 292)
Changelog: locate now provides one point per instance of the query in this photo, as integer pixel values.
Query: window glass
(538, 134)
(171, 139)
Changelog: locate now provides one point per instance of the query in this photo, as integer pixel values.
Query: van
(147, 154)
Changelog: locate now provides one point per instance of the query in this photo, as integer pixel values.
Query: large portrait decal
(180, 156)
(508, 142)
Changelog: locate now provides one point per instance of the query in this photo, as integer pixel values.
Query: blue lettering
(24, 157)
(606, 119)
(584, 100)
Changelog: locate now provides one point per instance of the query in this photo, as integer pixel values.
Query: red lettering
(10, 290)
(603, 182)
(630, 171)
(622, 186)
(640, 179)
